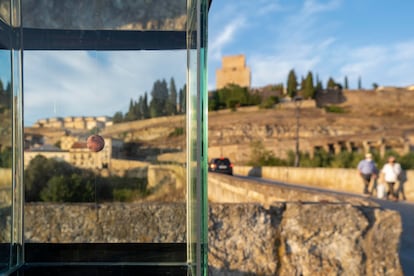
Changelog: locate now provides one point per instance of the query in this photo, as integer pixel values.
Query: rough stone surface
(115, 222)
(326, 240)
(243, 239)
(104, 14)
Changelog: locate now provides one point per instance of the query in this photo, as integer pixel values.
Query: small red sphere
(95, 143)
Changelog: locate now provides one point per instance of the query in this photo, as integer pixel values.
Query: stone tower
(233, 71)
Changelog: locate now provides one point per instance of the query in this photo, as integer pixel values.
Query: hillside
(371, 118)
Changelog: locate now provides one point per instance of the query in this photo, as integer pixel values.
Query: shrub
(178, 131)
(269, 103)
(335, 109)
(260, 156)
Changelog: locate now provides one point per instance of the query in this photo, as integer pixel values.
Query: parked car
(220, 165)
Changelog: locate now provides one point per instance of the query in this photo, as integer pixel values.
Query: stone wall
(130, 168)
(5, 177)
(303, 239)
(5, 187)
(317, 233)
(228, 189)
(243, 239)
(346, 180)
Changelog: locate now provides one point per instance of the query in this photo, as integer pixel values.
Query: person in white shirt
(391, 172)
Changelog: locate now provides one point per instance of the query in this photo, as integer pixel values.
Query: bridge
(257, 185)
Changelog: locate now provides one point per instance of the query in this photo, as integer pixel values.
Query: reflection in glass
(132, 100)
(6, 159)
(111, 154)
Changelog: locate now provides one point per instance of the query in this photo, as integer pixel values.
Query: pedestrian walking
(401, 183)
(368, 172)
(391, 173)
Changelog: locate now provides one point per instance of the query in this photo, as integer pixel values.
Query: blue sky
(94, 83)
(373, 39)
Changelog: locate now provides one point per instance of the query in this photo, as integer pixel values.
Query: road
(406, 210)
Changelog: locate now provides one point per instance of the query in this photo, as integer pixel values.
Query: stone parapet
(243, 238)
(346, 180)
(227, 189)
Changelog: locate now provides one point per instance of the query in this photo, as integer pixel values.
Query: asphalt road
(406, 210)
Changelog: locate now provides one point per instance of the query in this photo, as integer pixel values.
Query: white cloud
(265, 7)
(225, 37)
(314, 6)
(295, 46)
(307, 36)
(79, 83)
(383, 64)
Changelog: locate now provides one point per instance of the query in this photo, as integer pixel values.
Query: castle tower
(233, 71)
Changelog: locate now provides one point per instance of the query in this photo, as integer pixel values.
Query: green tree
(73, 188)
(260, 156)
(233, 95)
(269, 102)
(172, 99)
(302, 84)
(40, 170)
(359, 83)
(118, 117)
(182, 99)
(130, 115)
(6, 158)
(292, 84)
(319, 86)
(346, 82)
(331, 83)
(309, 91)
(213, 101)
(159, 95)
(407, 161)
(139, 108)
(145, 108)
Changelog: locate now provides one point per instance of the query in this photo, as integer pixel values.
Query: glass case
(103, 109)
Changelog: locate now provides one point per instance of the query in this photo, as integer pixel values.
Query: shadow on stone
(255, 172)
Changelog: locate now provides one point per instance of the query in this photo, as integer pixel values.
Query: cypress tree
(172, 99)
(145, 108)
(309, 91)
(331, 83)
(292, 84)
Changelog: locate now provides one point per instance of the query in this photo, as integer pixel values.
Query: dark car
(220, 165)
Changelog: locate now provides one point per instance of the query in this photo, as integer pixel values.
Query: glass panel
(5, 11)
(105, 14)
(114, 132)
(10, 135)
(6, 158)
(124, 98)
(107, 124)
(197, 140)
